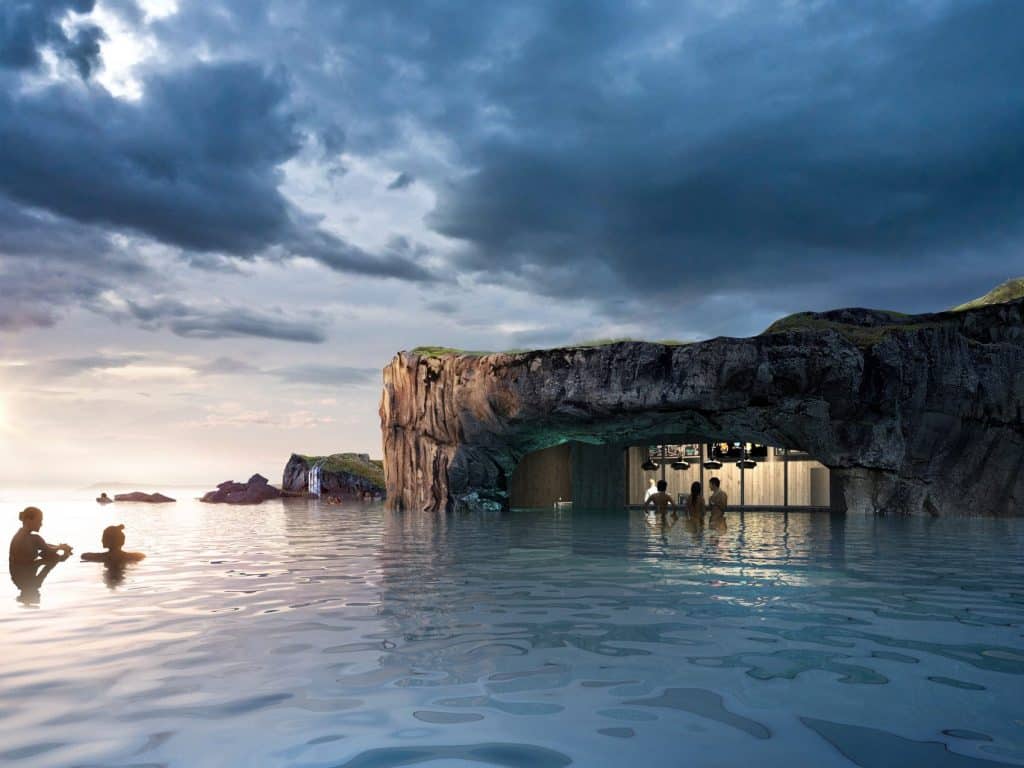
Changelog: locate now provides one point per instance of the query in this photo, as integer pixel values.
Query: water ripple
(292, 634)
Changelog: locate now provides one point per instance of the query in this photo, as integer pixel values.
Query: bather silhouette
(660, 501)
(115, 556)
(31, 559)
(29, 580)
(695, 506)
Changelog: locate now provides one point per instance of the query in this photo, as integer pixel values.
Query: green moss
(587, 344)
(352, 463)
(1008, 291)
(809, 321)
(592, 343)
(861, 335)
(673, 342)
(433, 351)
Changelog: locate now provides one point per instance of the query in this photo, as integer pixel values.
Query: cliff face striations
(914, 414)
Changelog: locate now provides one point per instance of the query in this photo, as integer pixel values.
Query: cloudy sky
(220, 218)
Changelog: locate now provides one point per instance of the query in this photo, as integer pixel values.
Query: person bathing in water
(660, 501)
(31, 559)
(652, 489)
(104, 499)
(28, 548)
(695, 504)
(718, 503)
(113, 540)
(719, 500)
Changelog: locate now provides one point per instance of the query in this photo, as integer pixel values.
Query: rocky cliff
(914, 414)
(346, 475)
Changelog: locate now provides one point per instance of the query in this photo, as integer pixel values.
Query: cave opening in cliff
(754, 475)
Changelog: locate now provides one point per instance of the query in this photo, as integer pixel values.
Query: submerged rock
(148, 498)
(341, 475)
(919, 414)
(255, 491)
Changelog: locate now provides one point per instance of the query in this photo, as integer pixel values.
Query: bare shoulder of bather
(28, 547)
(113, 539)
(118, 557)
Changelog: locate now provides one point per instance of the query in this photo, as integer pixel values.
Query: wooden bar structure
(607, 477)
(778, 480)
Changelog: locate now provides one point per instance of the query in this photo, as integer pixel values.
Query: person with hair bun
(113, 540)
(31, 559)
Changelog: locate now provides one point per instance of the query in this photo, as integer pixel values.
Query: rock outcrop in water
(344, 475)
(148, 498)
(914, 414)
(255, 491)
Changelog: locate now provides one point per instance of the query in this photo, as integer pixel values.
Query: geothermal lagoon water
(301, 634)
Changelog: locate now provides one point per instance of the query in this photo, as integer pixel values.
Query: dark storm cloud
(83, 50)
(32, 233)
(443, 307)
(201, 322)
(764, 152)
(48, 263)
(401, 181)
(330, 250)
(771, 152)
(27, 27)
(657, 159)
(240, 322)
(34, 296)
(194, 164)
(226, 366)
(73, 366)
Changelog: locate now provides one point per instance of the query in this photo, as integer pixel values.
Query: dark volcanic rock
(914, 414)
(344, 475)
(255, 491)
(149, 498)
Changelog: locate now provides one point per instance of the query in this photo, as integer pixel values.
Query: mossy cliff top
(866, 327)
(358, 464)
(432, 351)
(1011, 290)
(863, 327)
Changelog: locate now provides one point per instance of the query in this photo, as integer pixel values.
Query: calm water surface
(295, 634)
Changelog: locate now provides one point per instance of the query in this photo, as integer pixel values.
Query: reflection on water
(29, 578)
(294, 634)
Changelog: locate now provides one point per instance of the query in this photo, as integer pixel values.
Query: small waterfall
(314, 480)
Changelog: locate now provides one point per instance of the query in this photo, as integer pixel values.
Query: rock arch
(918, 414)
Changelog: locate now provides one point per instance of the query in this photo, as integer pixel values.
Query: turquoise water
(294, 634)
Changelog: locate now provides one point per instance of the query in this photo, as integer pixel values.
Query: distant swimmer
(113, 540)
(104, 499)
(659, 501)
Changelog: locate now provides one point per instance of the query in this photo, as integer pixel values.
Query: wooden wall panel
(541, 478)
(599, 476)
